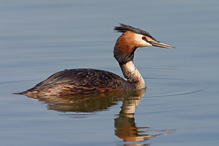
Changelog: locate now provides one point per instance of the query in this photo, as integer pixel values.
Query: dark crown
(123, 27)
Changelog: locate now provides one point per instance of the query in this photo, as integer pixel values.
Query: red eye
(143, 38)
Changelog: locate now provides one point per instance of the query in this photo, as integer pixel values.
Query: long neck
(132, 75)
(124, 53)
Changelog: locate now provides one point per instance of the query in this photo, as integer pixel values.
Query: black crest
(124, 27)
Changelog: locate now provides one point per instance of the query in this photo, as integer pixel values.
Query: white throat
(132, 75)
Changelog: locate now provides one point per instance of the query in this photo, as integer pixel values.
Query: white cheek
(140, 42)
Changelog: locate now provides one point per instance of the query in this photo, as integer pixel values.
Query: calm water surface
(180, 105)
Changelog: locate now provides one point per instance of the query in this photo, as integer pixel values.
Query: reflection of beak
(160, 44)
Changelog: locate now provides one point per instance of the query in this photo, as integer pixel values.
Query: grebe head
(130, 40)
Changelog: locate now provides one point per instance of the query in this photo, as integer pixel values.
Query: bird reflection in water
(125, 126)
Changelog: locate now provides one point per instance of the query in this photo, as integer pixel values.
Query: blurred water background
(39, 38)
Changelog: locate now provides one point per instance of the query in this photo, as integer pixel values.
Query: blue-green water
(39, 38)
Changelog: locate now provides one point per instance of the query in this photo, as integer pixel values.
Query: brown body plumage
(79, 81)
(84, 81)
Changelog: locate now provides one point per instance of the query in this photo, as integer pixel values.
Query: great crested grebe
(84, 81)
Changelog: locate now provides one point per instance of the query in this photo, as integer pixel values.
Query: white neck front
(132, 75)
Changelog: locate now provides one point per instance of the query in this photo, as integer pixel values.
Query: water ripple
(160, 87)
